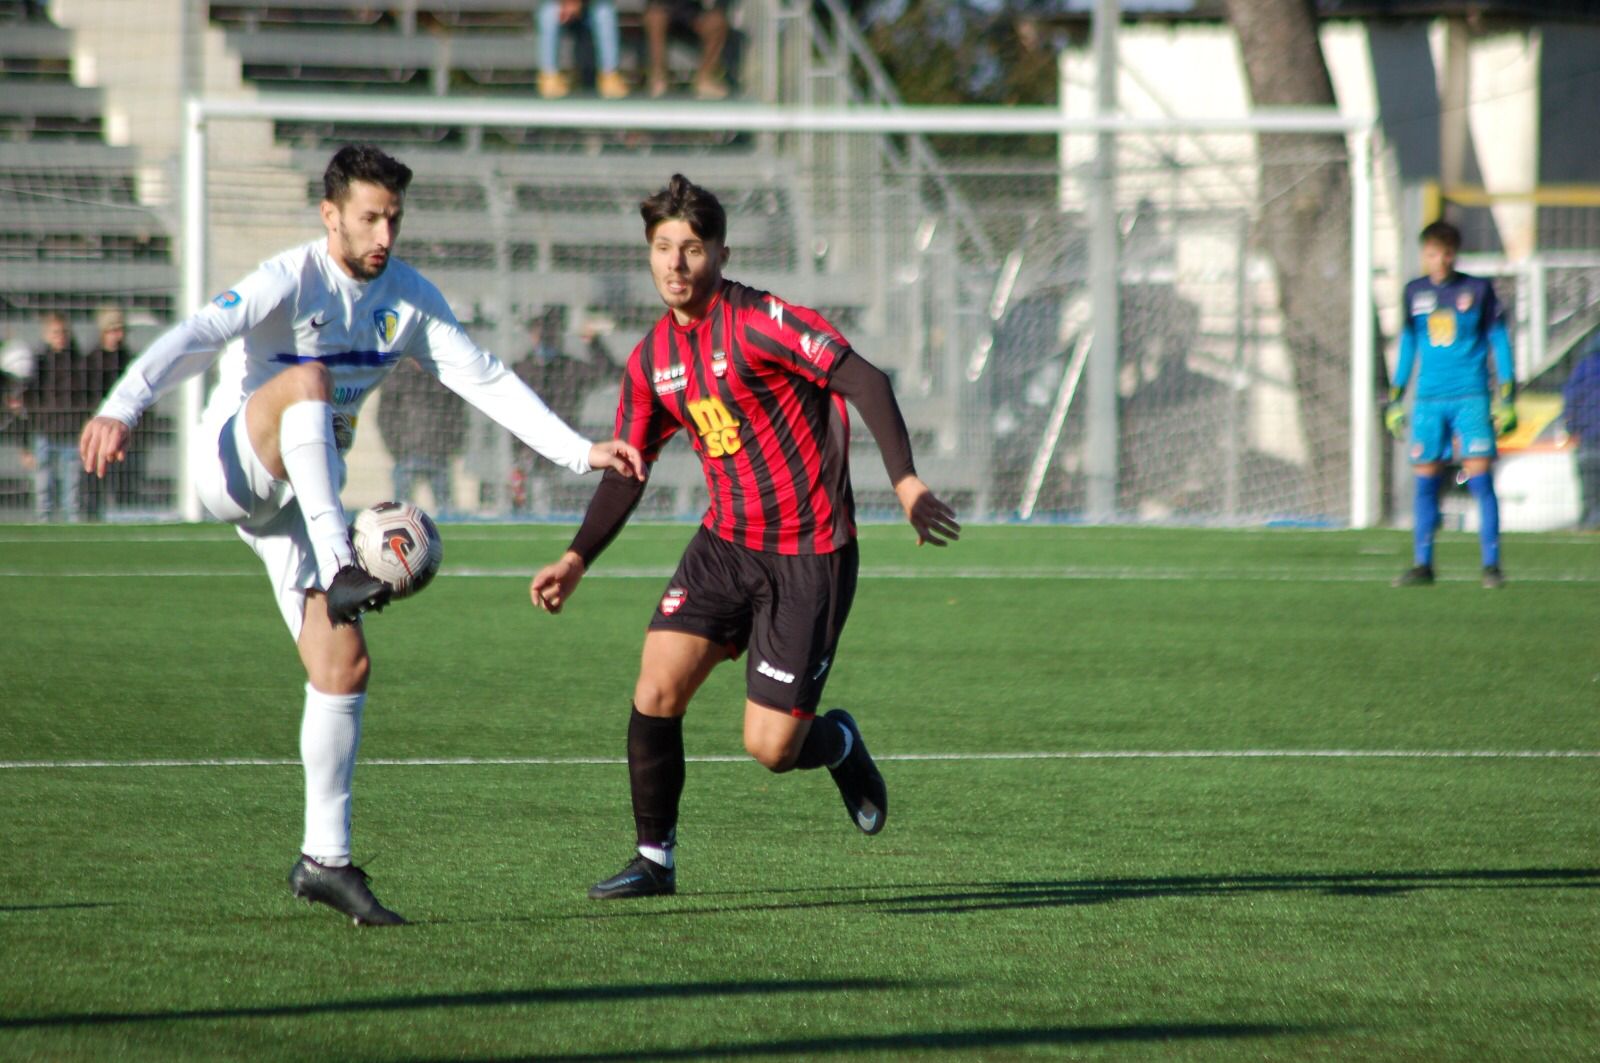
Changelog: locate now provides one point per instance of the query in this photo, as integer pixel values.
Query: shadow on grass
(992, 896)
(566, 995)
(6, 908)
(947, 1040)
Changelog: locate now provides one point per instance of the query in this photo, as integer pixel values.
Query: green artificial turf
(1226, 900)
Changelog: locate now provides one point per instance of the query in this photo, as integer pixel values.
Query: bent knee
(775, 757)
(347, 676)
(657, 699)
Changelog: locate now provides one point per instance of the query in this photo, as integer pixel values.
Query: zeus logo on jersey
(387, 323)
(719, 432)
(672, 379)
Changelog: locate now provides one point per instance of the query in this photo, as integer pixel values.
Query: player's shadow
(981, 1040)
(7, 909)
(957, 898)
(643, 992)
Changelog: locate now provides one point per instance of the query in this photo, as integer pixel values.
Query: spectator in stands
(709, 21)
(1582, 396)
(56, 399)
(424, 425)
(106, 364)
(553, 14)
(562, 380)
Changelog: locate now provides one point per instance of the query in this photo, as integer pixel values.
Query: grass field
(1154, 794)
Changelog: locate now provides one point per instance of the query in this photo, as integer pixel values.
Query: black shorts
(788, 611)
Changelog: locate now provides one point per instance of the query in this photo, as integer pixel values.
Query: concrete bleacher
(74, 234)
(425, 46)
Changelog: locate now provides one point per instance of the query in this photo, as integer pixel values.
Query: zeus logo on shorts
(775, 673)
(719, 432)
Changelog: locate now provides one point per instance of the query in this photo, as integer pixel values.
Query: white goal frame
(1365, 506)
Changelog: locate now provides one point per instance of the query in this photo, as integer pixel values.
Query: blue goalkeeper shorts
(1446, 429)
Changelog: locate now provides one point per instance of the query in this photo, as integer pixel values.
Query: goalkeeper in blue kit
(1452, 321)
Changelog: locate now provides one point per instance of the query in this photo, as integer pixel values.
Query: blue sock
(1488, 517)
(1426, 519)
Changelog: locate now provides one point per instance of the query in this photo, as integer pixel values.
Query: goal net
(952, 247)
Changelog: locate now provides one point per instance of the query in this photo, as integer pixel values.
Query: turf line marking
(1125, 754)
(1153, 575)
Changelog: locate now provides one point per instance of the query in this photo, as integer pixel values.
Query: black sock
(824, 744)
(655, 772)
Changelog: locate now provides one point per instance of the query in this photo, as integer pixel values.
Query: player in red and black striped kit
(760, 387)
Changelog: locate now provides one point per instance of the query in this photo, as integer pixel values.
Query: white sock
(849, 744)
(305, 439)
(660, 854)
(330, 732)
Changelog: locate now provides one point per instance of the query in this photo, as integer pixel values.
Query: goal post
(960, 270)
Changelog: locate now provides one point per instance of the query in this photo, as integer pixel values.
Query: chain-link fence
(968, 279)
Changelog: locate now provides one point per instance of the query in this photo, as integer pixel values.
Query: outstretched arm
(868, 389)
(613, 503)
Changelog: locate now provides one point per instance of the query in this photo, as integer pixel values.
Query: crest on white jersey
(387, 323)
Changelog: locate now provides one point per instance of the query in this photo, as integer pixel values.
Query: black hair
(1442, 232)
(363, 162)
(683, 200)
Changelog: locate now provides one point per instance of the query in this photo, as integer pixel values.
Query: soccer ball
(398, 543)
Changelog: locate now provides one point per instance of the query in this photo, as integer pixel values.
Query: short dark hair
(1442, 232)
(363, 162)
(683, 200)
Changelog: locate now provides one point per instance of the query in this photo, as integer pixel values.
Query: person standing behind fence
(553, 14)
(424, 425)
(1582, 397)
(563, 381)
(106, 364)
(56, 399)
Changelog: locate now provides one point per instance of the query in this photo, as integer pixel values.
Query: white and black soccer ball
(398, 543)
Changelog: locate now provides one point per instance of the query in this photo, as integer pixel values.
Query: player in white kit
(318, 327)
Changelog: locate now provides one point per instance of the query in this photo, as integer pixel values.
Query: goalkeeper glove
(1394, 414)
(1504, 409)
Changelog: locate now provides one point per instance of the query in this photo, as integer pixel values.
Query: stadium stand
(74, 235)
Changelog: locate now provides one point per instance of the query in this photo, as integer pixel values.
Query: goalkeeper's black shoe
(866, 798)
(1493, 578)
(354, 591)
(1418, 576)
(343, 889)
(643, 877)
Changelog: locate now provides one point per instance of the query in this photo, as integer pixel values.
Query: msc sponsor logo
(387, 322)
(772, 672)
(228, 300)
(719, 432)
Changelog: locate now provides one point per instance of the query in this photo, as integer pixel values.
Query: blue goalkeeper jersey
(1448, 331)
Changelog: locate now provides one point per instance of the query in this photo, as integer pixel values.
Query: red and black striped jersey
(749, 381)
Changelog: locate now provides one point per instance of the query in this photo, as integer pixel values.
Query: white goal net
(953, 248)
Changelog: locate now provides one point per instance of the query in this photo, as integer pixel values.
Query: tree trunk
(1304, 227)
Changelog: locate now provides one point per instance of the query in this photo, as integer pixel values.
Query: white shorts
(236, 487)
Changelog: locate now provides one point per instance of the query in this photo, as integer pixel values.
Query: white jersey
(300, 306)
